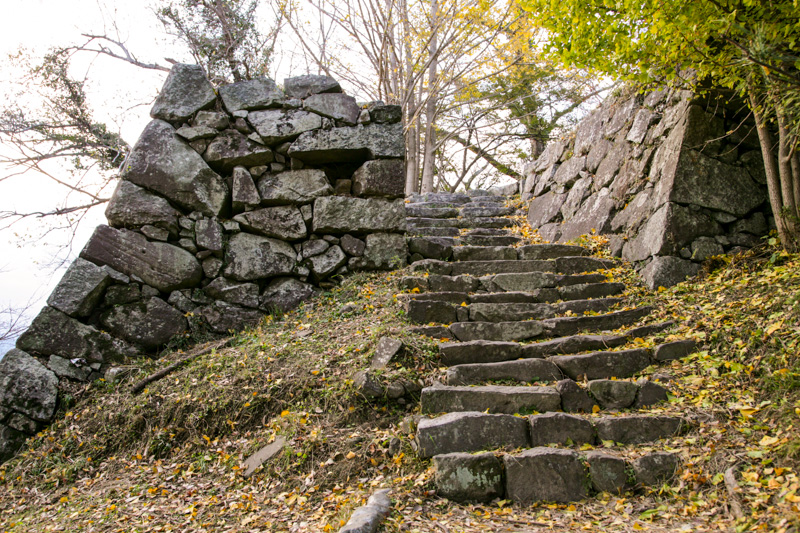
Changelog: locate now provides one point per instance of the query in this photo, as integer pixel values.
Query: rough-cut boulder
(147, 324)
(545, 208)
(548, 474)
(283, 222)
(383, 251)
(464, 477)
(185, 92)
(163, 163)
(250, 95)
(161, 265)
(384, 177)
(27, 387)
(244, 194)
(595, 214)
(251, 257)
(381, 113)
(208, 234)
(11, 441)
(350, 144)
(668, 230)
(277, 125)
(74, 340)
(358, 215)
(81, 289)
(326, 263)
(334, 105)
(305, 86)
(233, 292)
(231, 148)
(668, 271)
(132, 206)
(294, 187)
(285, 294)
(223, 317)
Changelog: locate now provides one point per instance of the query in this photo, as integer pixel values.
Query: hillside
(170, 458)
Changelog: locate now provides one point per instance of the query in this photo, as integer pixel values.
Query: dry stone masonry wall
(673, 178)
(234, 202)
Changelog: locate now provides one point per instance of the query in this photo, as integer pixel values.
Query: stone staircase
(538, 350)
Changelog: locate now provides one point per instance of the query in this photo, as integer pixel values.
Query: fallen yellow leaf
(350, 455)
(768, 441)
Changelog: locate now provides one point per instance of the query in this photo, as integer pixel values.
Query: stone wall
(671, 177)
(234, 202)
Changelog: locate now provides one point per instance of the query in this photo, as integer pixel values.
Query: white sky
(26, 270)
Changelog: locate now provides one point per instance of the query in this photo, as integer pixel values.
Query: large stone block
(244, 195)
(305, 86)
(469, 432)
(251, 257)
(594, 214)
(358, 215)
(350, 144)
(27, 386)
(326, 263)
(464, 477)
(637, 429)
(132, 207)
(560, 428)
(147, 324)
(231, 148)
(223, 317)
(384, 177)
(668, 230)
(160, 265)
(383, 251)
(285, 294)
(74, 340)
(608, 473)
(163, 163)
(667, 271)
(545, 209)
(283, 222)
(233, 292)
(337, 106)
(250, 95)
(185, 92)
(278, 125)
(545, 474)
(81, 288)
(294, 187)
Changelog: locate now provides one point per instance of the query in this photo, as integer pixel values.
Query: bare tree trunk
(430, 108)
(795, 165)
(785, 173)
(771, 170)
(412, 133)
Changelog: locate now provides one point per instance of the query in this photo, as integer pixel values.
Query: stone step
(547, 474)
(487, 231)
(484, 351)
(487, 211)
(507, 312)
(527, 282)
(446, 197)
(423, 311)
(489, 240)
(434, 232)
(502, 261)
(546, 295)
(416, 210)
(463, 222)
(489, 398)
(473, 431)
(564, 326)
(521, 370)
(550, 327)
(603, 365)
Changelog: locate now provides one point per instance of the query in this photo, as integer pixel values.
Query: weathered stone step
(550, 327)
(563, 326)
(474, 431)
(484, 351)
(487, 211)
(521, 370)
(416, 210)
(491, 398)
(487, 231)
(503, 261)
(434, 232)
(489, 240)
(507, 312)
(451, 198)
(547, 474)
(547, 295)
(602, 365)
(523, 282)
(462, 222)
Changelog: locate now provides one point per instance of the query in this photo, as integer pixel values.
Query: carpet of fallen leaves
(170, 459)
